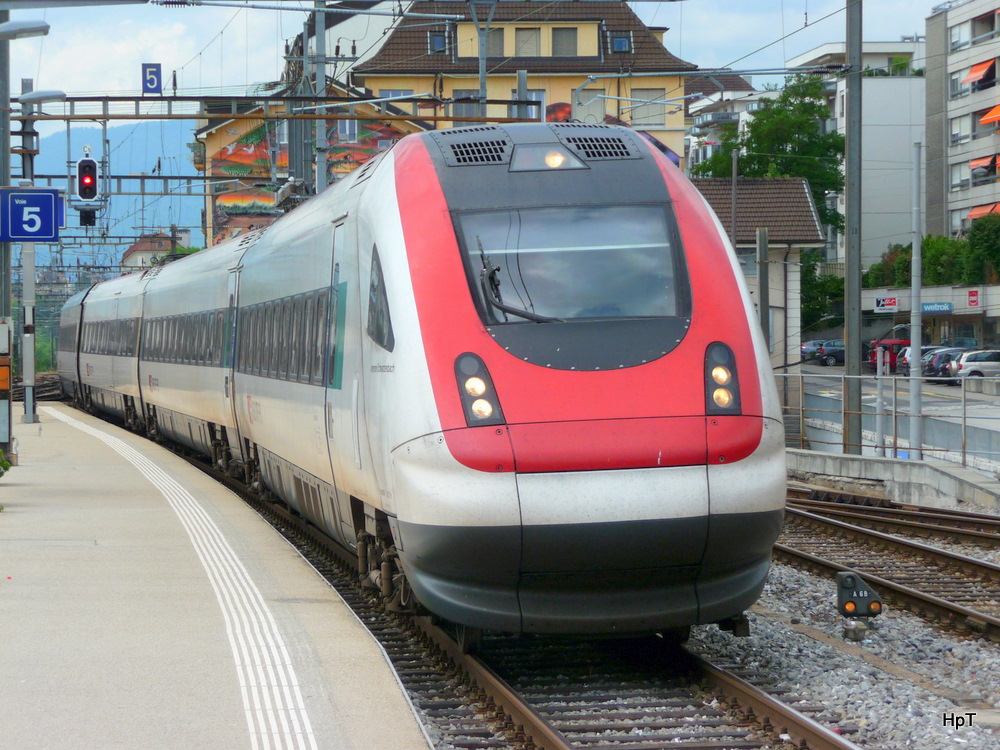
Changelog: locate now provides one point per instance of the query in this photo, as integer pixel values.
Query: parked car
(831, 352)
(964, 343)
(903, 360)
(808, 348)
(938, 367)
(892, 348)
(976, 364)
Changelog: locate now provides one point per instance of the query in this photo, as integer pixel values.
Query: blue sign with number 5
(152, 78)
(29, 215)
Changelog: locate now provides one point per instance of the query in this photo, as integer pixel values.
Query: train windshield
(574, 263)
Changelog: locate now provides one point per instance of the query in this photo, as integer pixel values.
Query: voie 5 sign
(29, 215)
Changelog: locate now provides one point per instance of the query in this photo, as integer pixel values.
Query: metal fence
(959, 423)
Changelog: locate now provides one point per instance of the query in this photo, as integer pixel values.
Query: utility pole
(852, 275)
(482, 29)
(916, 318)
(319, 71)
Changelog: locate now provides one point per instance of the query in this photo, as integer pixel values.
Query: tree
(822, 294)
(984, 250)
(785, 139)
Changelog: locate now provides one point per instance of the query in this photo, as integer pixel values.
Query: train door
(340, 401)
(229, 364)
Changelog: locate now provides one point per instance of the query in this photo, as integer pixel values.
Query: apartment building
(892, 120)
(963, 112)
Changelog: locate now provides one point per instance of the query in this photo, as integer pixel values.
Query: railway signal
(855, 598)
(87, 180)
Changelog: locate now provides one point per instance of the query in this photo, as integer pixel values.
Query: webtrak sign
(936, 307)
(886, 304)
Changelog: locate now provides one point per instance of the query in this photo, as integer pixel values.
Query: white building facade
(892, 121)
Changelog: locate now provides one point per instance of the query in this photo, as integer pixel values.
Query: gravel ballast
(904, 696)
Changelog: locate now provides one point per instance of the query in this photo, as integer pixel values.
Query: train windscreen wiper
(489, 280)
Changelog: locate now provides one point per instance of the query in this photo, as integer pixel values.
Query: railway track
(957, 590)
(556, 694)
(883, 515)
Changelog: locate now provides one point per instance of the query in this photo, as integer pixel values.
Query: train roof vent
(363, 172)
(596, 145)
(473, 146)
(249, 238)
(481, 152)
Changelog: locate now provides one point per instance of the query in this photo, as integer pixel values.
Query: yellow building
(586, 61)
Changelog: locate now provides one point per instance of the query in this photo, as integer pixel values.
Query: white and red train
(519, 363)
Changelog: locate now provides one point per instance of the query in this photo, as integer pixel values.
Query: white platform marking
(276, 714)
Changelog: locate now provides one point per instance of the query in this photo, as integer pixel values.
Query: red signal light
(86, 180)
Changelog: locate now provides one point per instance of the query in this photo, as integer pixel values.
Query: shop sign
(886, 304)
(936, 307)
(973, 298)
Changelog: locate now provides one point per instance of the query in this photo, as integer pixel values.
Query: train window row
(115, 337)
(285, 338)
(191, 339)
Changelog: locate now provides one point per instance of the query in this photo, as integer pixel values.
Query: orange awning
(992, 116)
(978, 211)
(985, 163)
(978, 71)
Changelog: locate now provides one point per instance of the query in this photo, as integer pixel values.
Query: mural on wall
(248, 157)
(372, 137)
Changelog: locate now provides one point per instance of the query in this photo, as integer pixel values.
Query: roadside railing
(959, 423)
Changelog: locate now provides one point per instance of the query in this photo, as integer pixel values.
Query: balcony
(709, 119)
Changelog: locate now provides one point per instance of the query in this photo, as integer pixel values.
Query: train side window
(220, 337)
(253, 345)
(260, 340)
(293, 338)
(379, 322)
(286, 336)
(270, 355)
(185, 339)
(321, 332)
(171, 339)
(308, 339)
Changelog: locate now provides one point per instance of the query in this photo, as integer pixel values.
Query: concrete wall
(927, 482)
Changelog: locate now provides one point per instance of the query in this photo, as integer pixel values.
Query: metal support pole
(916, 318)
(522, 94)
(732, 198)
(6, 323)
(802, 411)
(28, 270)
(852, 276)
(879, 402)
(763, 286)
(482, 29)
(319, 71)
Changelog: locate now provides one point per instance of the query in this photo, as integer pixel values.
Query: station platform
(142, 605)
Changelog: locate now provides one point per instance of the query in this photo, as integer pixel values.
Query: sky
(92, 50)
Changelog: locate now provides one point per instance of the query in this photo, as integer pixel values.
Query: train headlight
(722, 383)
(537, 157)
(475, 388)
(482, 408)
(722, 398)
